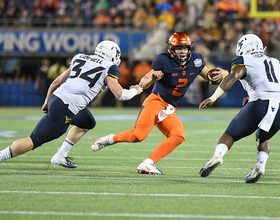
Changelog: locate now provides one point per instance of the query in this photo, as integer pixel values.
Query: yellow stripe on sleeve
(237, 65)
(113, 76)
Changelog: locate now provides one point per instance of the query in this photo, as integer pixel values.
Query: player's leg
(242, 125)
(173, 129)
(19, 147)
(262, 156)
(263, 149)
(224, 144)
(147, 118)
(50, 127)
(83, 122)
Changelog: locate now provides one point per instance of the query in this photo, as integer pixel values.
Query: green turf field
(106, 185)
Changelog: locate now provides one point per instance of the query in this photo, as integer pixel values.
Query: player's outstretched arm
(217, 75)
(150, 78)
(236, 73)
(120, 93)
(55, 84)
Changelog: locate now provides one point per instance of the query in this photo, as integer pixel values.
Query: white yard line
(101, 165)
(141, 158)
(141, 215)
(139, 194)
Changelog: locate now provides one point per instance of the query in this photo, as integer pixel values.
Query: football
(210, 76)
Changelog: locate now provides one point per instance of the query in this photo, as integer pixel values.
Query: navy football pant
(247, 120)
(56, 122)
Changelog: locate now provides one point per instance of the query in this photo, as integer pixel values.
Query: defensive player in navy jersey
(172, 73)
(67, 98)
(260, 77)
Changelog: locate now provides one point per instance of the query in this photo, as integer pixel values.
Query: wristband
(46, 101)
(218, 92)
(128, 94)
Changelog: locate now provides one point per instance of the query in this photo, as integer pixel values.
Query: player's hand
(245, 101)
(45, 108)
(157, 75)
(219, 74)
(138, 88)
(205, 104)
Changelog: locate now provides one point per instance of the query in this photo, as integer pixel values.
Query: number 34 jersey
(86, 81)
(262, 79)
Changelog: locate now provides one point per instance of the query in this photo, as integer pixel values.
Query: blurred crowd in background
(213, 25)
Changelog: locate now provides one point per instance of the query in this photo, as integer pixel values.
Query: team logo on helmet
(110, 51)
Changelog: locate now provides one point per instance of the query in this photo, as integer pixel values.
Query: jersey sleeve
(198, 61)
(239, 60)
(114, 72)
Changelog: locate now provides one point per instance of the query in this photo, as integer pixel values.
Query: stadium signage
(38, 42)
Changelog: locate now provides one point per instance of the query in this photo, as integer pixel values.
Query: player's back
(262, 76)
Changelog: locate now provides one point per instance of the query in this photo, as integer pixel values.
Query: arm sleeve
(114, 72)
(128, 94)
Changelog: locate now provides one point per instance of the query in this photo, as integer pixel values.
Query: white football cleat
(148, 168)
(102, 142)
(255, 175)
(63, 161)
(207, 169)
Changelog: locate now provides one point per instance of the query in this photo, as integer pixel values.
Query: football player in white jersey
(260, 77)
(67, 98)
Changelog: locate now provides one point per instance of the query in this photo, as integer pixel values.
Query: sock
(65, 148)
(262, 158)
(221, 150)
(166, 147)
(149, 160)
(6, 154)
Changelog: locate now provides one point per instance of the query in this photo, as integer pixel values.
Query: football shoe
(148, 168)
(255, 175)
(207, 169)
(63, 161)
(102, 142)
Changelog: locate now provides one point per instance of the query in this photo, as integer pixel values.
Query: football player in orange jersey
(172, 73)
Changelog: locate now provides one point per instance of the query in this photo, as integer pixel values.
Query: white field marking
(97, 165)
(176, 150)
(181, 151)
(141, 158)
(138, 194)
(140, 215)
(130, 117)
(153, 178)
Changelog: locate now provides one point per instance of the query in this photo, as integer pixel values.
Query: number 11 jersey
(262, 79)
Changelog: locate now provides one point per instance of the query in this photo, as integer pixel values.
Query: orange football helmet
(176, 41)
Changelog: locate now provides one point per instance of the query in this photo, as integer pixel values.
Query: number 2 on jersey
(183, 83)
(77, 69)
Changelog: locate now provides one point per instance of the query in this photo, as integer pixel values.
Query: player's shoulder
(75, 57)
(161, 61)
(197, 60)
(196, 55)
(163, 57)
(238, 60)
